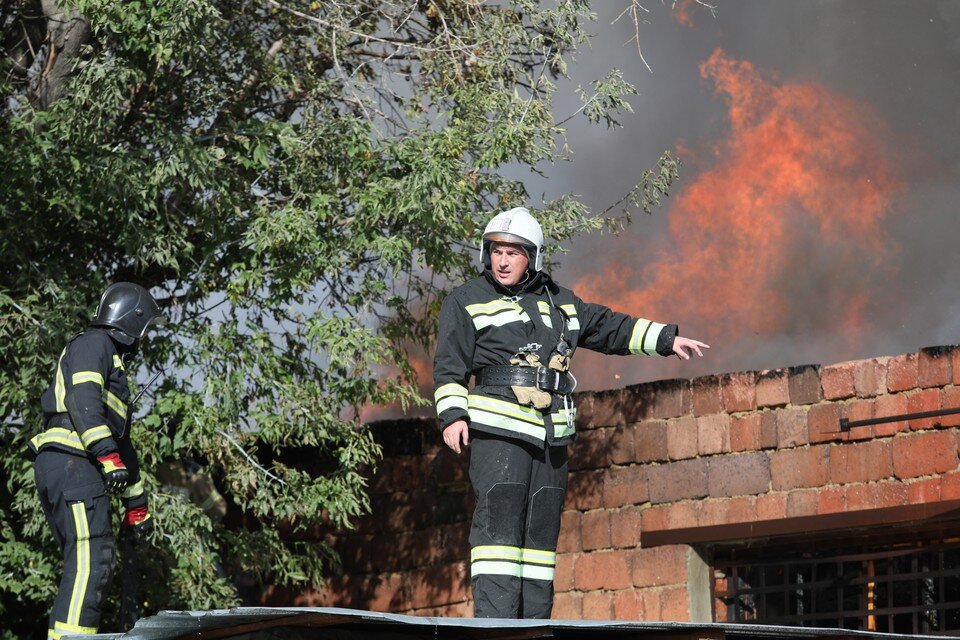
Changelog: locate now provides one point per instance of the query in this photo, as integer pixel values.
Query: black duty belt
(60, 420)
(542, 378)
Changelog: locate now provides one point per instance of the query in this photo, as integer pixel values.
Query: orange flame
(782, 230)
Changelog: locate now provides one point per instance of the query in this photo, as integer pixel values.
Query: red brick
(802, 502)
(629, 604)
(660, 566)
(683, 515)
(738, 391)
(902, 372)
(603, 570)
(654, 519)
(768, 430)
(682, 438)
(926, 453)
(861, 462)
(934, 366)
(595, 531)
(651, 441)
(772, 390)
(772, 506)
(803, 383)
(563, 574)
(955, 365)
(791, 427)
(738, 475)
(600, 409)
(675, 603)
(742, 509)
(567, 606)
(684, 479)
(837, 381)
(421, 585)
(625, 527)
(621, 448)
(624, 485)
(860, 497)
(831, 500)
(870, 377)
(597, 605)
(706, 395)
(570, 527)
(890, 494)
(858, 410)
(651, 602)
(713, 513)
(924, 491)
(584, 490)
(797, 468)
(890, 405)
(591, 450)
(823, 422)
(950, 486)
(661, 399)
(950, 399)
(745, 432)
(920, 401)
(713, 434)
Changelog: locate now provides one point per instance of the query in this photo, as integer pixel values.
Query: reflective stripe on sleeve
(134, 491)
(450, 396)
(643, 340)
(115, 403)
(60, 388)
(82, 577)
(88, 376)
(94, 434)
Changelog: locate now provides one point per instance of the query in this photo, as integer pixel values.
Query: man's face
(508, 263)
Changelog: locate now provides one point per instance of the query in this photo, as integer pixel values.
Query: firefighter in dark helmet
(514, 330)
(84, 454)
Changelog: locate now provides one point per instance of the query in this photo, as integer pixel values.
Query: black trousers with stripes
(519, 492)
(77, 509)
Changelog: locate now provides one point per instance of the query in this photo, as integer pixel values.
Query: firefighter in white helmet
(514, 330)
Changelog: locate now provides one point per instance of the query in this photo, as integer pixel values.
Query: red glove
(115, 474)
(138, 521)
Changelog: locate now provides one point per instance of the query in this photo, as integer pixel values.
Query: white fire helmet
(515, 226)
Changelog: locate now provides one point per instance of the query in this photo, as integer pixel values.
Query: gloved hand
(138, 521)
(115, 474)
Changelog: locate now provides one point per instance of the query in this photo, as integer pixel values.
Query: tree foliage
(297, 181)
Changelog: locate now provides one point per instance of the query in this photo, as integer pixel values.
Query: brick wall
(662, 469)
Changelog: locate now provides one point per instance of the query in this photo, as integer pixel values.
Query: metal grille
(896, 590)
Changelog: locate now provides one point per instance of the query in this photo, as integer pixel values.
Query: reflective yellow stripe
(643, 340)
(117, 362)
(534, 572)
(52, 635)
(115, 403)
(452, 402)
(569, 309)
(60, 389)
(88, 376)
(57, 435)
(134, 490)
(505, 408)
(509, 424)
(90, 436)
(450, 389)
(211, 500)
(496, 552)
(494, 306)
(499, 319)
(539, 556)
(83, 563)
(561, 426)
(545, 313)
(65, 628)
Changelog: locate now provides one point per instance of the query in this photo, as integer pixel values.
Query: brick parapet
(663, 457)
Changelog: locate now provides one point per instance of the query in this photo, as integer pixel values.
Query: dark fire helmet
(127, 309)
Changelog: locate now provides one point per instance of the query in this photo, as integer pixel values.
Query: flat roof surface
(352, 624)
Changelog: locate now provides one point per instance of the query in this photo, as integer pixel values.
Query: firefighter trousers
(78, 511)
(519, 491)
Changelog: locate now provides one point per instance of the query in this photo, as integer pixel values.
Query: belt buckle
(548, 379)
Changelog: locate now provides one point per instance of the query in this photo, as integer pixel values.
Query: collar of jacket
(534, 285)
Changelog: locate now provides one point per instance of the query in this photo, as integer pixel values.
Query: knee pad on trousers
(546, 505)
(505, 506)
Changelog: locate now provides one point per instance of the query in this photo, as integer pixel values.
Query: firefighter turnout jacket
(482, 323)
(85, 408)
